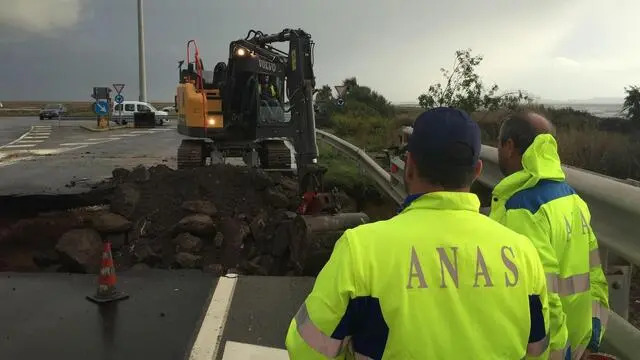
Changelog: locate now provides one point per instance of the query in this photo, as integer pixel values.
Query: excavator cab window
(271, 100)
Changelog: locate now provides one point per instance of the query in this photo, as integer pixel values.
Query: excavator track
(191, 154)
(275, 155)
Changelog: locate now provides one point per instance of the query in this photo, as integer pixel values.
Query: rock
(80, 250)
(118, 241)
(281, 240)
(218, 240)
(289, 185)
(145, 254)
(262, 180)
(197, 224)
(277, 199)
(267, 265)
(259, 223)
(186, 242)
(188, 261)
(275, 176)
(200, 207)
(120, 174)
(214, 269)
(124, 200)
(234, 232)
(139, 174)
(110, 223)
(45, 259)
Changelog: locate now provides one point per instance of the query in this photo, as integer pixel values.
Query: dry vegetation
(605, 145)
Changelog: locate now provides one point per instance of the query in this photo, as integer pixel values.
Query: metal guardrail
(377, 173)
(615, 208)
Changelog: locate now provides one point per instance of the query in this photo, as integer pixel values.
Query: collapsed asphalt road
(49, 234)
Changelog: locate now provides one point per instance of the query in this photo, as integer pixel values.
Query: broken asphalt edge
(93, 129)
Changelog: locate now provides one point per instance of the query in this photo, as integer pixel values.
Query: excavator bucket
(312, 237)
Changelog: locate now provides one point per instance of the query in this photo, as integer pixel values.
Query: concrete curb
(106, 129)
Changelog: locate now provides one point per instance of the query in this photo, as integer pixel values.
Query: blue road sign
(101, 107)
(119, 98)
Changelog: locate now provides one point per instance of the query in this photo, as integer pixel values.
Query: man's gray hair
(519, 128)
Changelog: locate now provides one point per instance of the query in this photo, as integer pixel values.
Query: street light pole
(142, 72)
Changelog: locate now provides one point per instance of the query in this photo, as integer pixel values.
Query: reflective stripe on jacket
(437, 281)
(538, 203)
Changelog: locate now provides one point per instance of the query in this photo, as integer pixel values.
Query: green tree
(631, 105)
(463, 88)
(324, 94)
(360, 101)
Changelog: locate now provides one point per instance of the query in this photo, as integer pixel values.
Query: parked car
(129, 107)
(51, 111)
(169, 109)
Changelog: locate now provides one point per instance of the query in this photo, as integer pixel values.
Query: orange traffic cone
(107, 280)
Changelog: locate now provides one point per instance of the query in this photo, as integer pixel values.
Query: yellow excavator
(258, 106)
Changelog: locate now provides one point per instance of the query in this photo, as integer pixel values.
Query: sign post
(119, 100)
(341, 90)
(101, 107)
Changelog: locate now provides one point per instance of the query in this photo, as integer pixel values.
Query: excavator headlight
(241, 52)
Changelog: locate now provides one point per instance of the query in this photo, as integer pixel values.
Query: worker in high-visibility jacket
(267, 91)
(535, 200)
(437, 281)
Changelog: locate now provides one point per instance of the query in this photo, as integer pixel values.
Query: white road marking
(130, 135)
(41, 133)
(79, 144)
(208, 340)
(141, 132)
(19, 146)
(30, 141)
(36, 137)
(18, 139)
(241, 351)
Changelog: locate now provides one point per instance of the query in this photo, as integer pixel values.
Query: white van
(128, 107)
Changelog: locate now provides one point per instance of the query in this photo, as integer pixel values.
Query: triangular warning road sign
(118, 87)
(341, 89)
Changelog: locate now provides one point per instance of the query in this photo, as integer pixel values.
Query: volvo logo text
(266, 65)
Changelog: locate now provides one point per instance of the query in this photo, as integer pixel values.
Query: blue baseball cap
(445, 135)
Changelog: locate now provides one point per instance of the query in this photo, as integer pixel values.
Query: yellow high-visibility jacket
(538, 203)
(437, 281)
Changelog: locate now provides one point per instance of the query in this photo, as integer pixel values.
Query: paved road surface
(46, 316)
(13, 127)
(170, 314)
(50, 157)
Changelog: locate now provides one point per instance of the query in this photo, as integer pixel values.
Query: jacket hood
(539, 162)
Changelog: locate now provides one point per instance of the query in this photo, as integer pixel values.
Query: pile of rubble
(218, 218)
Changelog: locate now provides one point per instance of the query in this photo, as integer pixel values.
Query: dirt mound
(219, 218)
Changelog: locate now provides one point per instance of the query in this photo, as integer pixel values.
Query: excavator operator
(267, 91)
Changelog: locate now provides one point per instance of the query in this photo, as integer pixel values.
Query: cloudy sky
(570, 49)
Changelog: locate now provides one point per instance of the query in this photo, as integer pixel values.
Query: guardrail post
(618, 272)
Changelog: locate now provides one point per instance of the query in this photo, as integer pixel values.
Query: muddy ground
(219, 219)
